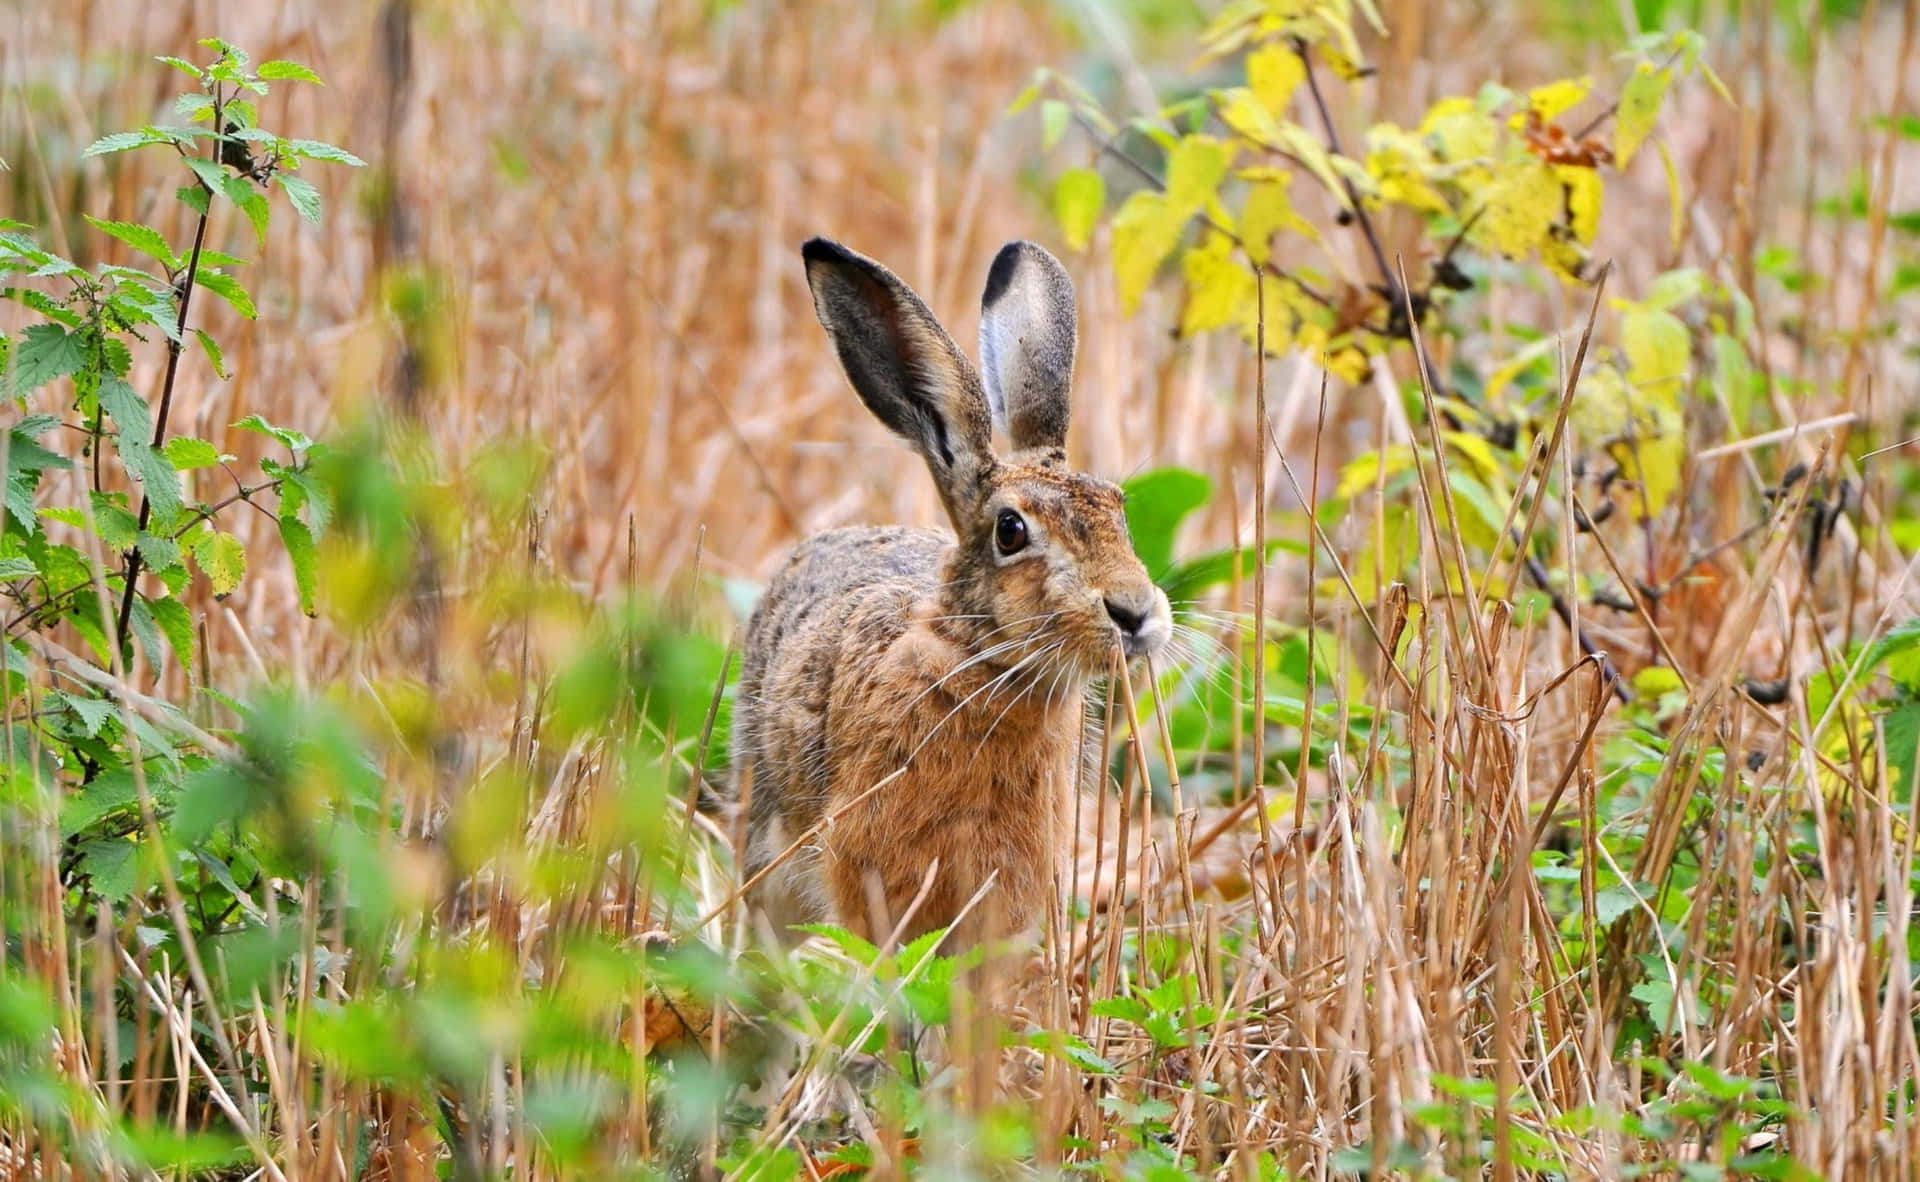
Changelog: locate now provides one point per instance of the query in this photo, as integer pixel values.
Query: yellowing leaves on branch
(1269, 211)
(1510, 172)
(1639, 107)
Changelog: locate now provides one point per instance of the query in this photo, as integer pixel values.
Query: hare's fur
(910, 708)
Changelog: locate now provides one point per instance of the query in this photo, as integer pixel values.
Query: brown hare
(910, 707)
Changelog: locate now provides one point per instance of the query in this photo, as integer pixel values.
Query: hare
(910, 709)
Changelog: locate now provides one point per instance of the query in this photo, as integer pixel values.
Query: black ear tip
(1000, 275)
(1008, 262)
(825, 250)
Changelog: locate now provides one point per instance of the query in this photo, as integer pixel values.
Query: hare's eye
(1010, 532)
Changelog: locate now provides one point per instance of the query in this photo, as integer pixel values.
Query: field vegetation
(407, 400)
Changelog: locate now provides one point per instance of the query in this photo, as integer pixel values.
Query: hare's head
(1046, 568)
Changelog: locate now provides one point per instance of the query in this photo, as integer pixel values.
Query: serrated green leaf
(92, 712)
(55, 267)
(223, 560)
(196, 107)
(1078, 197)
(144, 305)
(117, 527)
(134, 442)
(303, 196)
(130, 411)
(140, 622)
(227, 288)
(120, 141)
(194, 197)
(315, 150)
(17, 568)
(43, 353)
(185, 67)
(315, 497)
(1126, 1009)
(280, 68)
(250, 201)
(176, 624)
(109, 792)
(44, 304)
(158, 480)
(186, 453)
(854, 946)
(289, 438)
(111, 868)
(161, 552)
(212, 349)
(211, 175)
(303, 556)
(145, 239)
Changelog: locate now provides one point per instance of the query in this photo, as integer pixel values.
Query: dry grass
(609, 200)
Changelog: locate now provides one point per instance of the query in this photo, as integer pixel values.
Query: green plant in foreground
(106, 526)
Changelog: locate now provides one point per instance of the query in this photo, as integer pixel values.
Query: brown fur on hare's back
(911, 702)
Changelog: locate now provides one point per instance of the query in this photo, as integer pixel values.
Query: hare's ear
(1026, 344)
(904, 366)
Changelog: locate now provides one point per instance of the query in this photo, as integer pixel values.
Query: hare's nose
(1129, 619)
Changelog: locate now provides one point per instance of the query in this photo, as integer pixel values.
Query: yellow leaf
(1658, 352)
(1521, 207)
(1555, 98)
(1655, 680)
(1639, 107)
(1583, 200)
(1195, 169)
(1346, 66)
(1654, 461)
(1269, 210)
(1302, 144)
(1274, 72)
(1246, 117)
(1363, 471)
(1294, 318)
(1078, 197)
(1563, 256)
(1219, 287)
(1145, 231)
(1401, 166)
(1459, 130)
(1349, 363)
(1477, 452)
(1230, 30)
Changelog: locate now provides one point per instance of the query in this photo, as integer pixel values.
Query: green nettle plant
(105, 525)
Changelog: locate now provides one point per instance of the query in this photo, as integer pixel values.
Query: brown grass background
(613, 195)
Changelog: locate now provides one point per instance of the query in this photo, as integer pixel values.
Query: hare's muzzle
(1142, 618)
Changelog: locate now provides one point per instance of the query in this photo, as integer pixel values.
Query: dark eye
(1010, 532)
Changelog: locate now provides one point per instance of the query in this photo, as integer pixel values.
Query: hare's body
(855, 616)
(909, 716)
